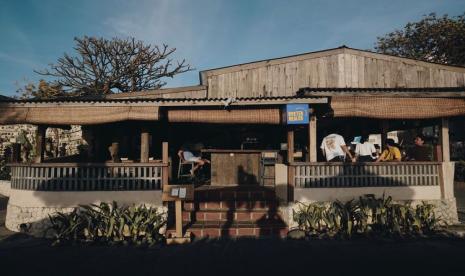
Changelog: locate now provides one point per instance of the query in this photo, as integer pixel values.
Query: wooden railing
(339, 175)
(87, 176)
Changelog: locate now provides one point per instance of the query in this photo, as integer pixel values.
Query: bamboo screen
(396, 108)
(235, 116)
(76, 115)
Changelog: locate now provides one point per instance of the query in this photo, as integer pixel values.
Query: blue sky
(206, 33)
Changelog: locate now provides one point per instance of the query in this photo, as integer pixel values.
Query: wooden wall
(341, 67)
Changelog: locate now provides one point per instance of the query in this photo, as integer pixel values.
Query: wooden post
(165, 160)
(290, 145)
(178, 209)
(40, 143)
(384, 131)
(444, 136)
(15, 153)
(312, 139)
(144, 146)
(290, 183)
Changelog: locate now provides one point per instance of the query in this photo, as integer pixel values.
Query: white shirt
(331, 146)
(365, 149)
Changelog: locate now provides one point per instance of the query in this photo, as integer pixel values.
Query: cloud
(18, 59)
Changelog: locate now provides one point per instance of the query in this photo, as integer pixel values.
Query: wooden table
(235, 167)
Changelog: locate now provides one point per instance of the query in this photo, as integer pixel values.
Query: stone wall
(5, 186)
(28, 211)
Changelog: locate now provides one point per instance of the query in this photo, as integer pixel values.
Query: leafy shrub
(368, 215)
(108, 223)
(4, 170)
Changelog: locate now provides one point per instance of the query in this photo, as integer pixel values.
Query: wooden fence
(87, 176)
(342, 175)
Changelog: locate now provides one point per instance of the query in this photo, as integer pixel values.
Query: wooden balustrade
(87, 176)
(340, 175)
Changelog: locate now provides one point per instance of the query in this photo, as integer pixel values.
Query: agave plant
(367, 215)
(109, 223)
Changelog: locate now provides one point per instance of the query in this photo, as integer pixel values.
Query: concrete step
(235, 230)
(231, 216)
(254, 193)
(237, 205)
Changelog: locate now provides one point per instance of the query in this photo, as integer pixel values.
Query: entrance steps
(222, 212)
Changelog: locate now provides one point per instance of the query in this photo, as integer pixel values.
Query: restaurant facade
(261, 125)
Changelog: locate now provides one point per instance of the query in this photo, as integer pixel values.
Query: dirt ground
(22, 255)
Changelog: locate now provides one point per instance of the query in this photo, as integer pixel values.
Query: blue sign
(297, 114)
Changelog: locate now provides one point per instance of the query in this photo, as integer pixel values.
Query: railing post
(165, 159)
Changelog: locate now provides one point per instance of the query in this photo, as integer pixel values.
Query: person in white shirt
(334, 148)
(365, 151)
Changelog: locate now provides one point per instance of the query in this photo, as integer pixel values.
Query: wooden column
(312, 145)
(15, 153)
(144, 145)
(444, 136)
(384, 131)
(290, 145)
(40, 143)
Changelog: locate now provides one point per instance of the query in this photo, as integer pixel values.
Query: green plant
(109, 223)
(4, 170)
(368, 215)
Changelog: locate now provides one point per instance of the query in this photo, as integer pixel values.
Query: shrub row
(368, 215)
(108, 223)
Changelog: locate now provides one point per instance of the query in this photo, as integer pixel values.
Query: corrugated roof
(393, 92)
(175, 101)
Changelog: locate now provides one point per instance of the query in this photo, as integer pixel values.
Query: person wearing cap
(391, 153)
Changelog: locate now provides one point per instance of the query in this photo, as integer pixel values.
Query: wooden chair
(267, 160)
(182, 165)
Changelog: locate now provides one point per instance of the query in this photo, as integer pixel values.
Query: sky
(207, 33)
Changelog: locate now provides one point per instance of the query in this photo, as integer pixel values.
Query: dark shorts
(365, 158)
(337, 159)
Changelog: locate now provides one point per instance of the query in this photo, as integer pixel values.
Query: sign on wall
(297, 114)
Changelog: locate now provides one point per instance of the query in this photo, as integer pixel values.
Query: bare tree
(104, 66)
(43, 90)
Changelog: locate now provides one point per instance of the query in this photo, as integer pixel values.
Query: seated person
(187, 155)
(365, 151)
(419, 152)
(391, 153)
(334, 148)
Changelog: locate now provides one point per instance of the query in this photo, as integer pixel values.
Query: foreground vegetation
(109, 224)
(366, 216)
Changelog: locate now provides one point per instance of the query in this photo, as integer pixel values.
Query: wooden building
(240, 115)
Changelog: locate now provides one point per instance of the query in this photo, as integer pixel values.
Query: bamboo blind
(76, 115)
(396, 108)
